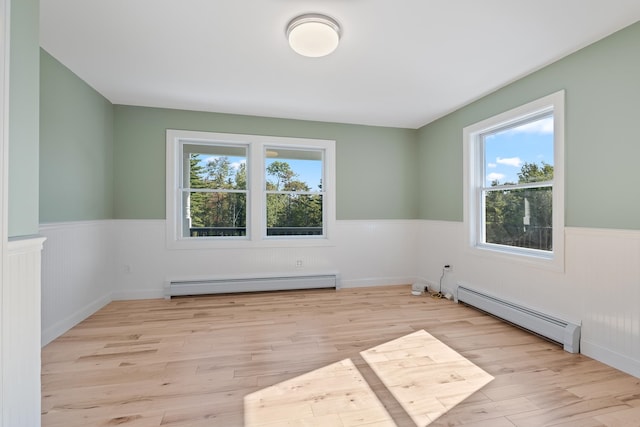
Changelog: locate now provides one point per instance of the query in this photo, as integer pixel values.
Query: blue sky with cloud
(506, 151)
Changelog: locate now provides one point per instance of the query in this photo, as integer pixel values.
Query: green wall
(382, 173)
(375, 165)
(76, 147)
(24, 96)
(602, 142)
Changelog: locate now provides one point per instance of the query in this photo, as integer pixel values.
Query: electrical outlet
(299, 263)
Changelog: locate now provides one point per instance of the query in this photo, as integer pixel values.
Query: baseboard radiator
(565, 333)
(249, 284)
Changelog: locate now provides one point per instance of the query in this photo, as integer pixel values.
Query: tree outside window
(293, 191)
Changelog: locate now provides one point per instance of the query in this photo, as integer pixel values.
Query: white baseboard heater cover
(560, 331)
(248, 284)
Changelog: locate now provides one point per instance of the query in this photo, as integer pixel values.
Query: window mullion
(256, 199)
(211, 190)
(302, 193)
(524, 185)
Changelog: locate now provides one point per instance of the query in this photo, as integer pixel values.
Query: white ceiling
(400, 63)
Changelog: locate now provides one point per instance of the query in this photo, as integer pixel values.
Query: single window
(235, 190)
(293, 191)
(518, 185)
(214, 190)
(514, 201)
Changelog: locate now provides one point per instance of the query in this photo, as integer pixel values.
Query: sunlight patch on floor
(426, 377)
(335, 395)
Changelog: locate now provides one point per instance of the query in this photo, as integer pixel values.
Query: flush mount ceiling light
(313, 35)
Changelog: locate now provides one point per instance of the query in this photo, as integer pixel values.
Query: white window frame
(473, 179)
(265, 192)
(256, 199)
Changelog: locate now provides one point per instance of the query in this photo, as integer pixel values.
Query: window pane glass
(519, 154)
(215, 167)
(520, 218)
(293, 170)
(294, 214)
(215, 214)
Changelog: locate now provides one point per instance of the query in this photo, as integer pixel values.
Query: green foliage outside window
(218, 199)
(289, 202)
(521, 217)
(226, 207)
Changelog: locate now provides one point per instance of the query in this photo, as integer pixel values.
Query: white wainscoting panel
(77, 273)
(605, 270)
(599, 288)
(21, 333)
(373, 253)
(364, 253)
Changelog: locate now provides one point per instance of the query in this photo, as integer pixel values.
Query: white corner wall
(77, 273)
(600, 287)
(86, 265)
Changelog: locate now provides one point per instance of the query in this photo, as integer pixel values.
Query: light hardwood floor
(353, 357)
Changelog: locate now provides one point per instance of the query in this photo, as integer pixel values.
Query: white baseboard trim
(153, 294)
(376, 281)
(52, 332)
(137, 294)
(611, 358)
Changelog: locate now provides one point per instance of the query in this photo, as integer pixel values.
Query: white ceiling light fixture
(313, 35)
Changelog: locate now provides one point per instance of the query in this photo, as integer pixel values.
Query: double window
(235, 190)
(514, 182)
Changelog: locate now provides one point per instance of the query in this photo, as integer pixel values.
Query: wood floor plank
(191, 362)
(626, 418)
